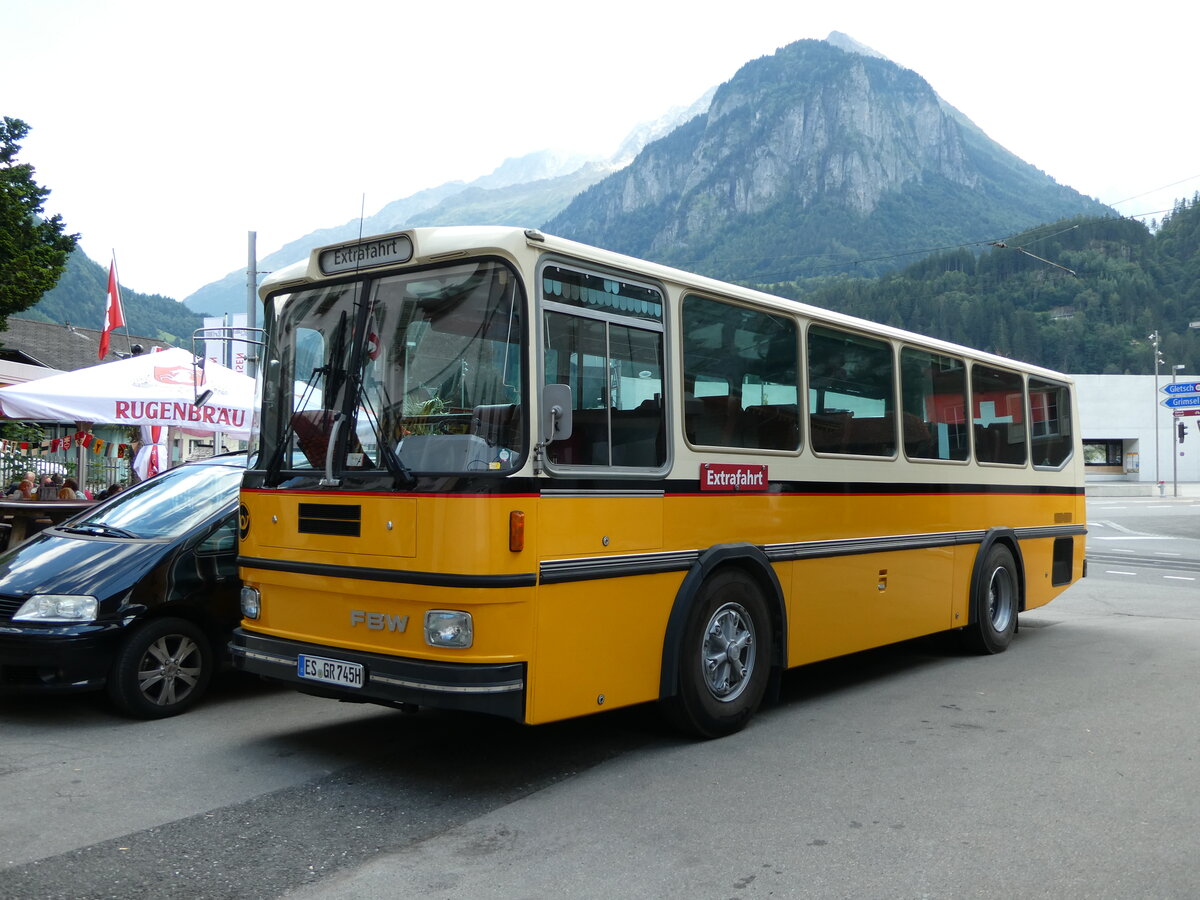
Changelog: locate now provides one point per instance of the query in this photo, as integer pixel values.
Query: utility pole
(1175, 439)
(252, 301)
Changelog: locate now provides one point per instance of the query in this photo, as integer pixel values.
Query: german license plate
(330, 671)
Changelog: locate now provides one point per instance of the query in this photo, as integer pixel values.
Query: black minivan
(137, 594)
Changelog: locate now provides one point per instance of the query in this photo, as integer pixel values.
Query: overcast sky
(167, 131)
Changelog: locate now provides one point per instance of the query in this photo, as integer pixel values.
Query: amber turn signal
(516, 531)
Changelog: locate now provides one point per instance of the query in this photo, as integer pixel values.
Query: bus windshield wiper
(276, 461)
(402, 475)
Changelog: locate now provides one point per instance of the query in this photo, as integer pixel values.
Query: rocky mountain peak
(850, 45)
(824, 146)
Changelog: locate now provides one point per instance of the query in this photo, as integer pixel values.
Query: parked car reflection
(136, 595)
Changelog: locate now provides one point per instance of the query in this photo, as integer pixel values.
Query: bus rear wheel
(725, 658)
(995, 604)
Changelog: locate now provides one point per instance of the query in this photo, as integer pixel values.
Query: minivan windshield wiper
(98, 528)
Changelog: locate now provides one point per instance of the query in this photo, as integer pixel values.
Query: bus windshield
(414, 373)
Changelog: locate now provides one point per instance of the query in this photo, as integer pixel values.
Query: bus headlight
(448, 628)
(57, 608)
(251, 604)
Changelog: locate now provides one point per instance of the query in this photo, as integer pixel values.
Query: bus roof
(432, 244)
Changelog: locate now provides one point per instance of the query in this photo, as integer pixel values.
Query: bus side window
(998, 415)
(740, 370)
(934, 392)
(1050, 422)
(615, 372)
(851, 393)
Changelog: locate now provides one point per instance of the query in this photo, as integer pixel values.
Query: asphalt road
(1066, 767)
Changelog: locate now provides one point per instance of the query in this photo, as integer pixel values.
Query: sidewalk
(1188, 489)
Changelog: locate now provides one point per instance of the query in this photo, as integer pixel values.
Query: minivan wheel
(162, 669)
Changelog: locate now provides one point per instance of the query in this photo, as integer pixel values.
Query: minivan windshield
(168, 505)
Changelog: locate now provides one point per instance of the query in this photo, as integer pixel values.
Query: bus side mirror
(556, 412)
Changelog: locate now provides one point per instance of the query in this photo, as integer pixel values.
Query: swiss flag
(114, 317)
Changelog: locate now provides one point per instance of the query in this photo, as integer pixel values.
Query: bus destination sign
(732, 477)
(366, 254)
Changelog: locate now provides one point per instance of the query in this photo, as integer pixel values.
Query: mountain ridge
(822, 158)
(522, 191)
(816, 153)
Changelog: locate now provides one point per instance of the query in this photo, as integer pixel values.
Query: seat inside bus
(445, 453)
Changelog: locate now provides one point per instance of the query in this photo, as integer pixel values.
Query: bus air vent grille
(330, 518)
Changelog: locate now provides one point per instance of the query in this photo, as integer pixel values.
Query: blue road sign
(1186, 401)
(1182, 387)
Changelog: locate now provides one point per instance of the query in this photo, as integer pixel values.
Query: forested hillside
(1126, 281)
(79, 298)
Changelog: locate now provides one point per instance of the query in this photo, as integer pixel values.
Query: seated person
(51, 485)
(70, 491)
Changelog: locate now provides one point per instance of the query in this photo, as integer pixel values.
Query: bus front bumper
(495, 689)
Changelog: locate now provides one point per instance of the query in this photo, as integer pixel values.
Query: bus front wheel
(724, 661)
(996, 599)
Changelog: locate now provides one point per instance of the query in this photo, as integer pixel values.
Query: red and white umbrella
(152, 389)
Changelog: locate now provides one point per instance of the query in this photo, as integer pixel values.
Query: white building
(1129, 436)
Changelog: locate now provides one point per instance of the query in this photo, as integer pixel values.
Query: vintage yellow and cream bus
(499, 471)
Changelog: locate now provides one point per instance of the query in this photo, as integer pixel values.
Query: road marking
(1178, 578)
(1121, 528)
(1165, 553)
(1131, 537)
(1127, 533)
(1115, 572)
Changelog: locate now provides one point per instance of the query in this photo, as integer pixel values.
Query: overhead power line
(1156, 190)
(1004, 246)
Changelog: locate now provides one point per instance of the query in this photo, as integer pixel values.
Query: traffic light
(1182, 430)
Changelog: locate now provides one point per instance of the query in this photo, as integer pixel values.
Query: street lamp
(1175, 370)
(1154, 339)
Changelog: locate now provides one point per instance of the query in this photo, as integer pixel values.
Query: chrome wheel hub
(170, 670)
(729, 652)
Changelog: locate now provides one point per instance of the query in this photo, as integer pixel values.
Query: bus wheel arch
(997, 593)
(728, 614)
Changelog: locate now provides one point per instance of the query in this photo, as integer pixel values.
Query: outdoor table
(22, 513)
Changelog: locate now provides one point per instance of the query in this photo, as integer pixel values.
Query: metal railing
(101, 471)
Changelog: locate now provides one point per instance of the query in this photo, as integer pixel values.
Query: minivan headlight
(57, 608)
